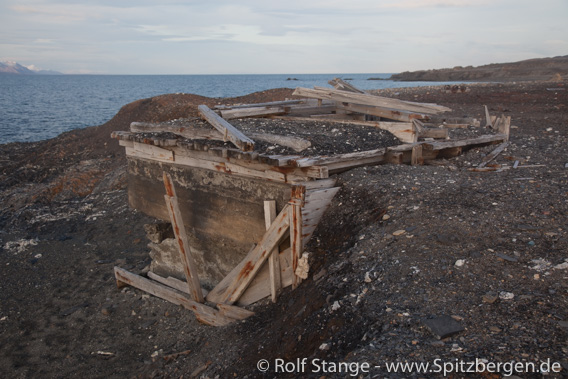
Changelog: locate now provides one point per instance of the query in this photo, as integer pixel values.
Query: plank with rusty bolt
(274, 259)
(232, 134)
(367, 99)
(204, 313)
(236, 282)
(189, 265)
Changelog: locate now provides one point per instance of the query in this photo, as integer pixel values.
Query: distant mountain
(14, 68)
(532, 69)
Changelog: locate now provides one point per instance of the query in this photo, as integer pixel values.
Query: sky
(268, 37)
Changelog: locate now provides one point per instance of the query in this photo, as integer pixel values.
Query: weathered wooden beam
(175, 283)
(236, 282)
(492, 155)
(230, 114)
(296, 242)
(229, 131)
(189, 265)
(481, 140)
(391, 114)
(341, 84)
(234, 312)
(187, 131)
(372, 100)
(254, 105)
(203, 313)
(274, 259)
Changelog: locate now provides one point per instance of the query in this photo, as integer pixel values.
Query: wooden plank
(229, 131)
(296, 241)
(175, 283)
(154, 152)
(187, 131)
(203, 313)
(505, 126)
(254, 105)
(481, 140)
(489, 157)
(235, 283)
(340, 84)
(234, 312)
(274, 259)
(391, 114)
(189, 265)
(230, 114)
(230, 168)
(372, 100)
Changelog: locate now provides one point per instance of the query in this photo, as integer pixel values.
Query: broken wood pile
(221, 200)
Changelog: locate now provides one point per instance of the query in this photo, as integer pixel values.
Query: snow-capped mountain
(10, 67)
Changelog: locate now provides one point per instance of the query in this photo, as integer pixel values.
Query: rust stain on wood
(168, 185)
(246, 270)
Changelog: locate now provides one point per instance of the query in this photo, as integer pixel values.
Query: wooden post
(416, 158)
(487, 117)
(189, 266)
(296, 246)
(274, 259)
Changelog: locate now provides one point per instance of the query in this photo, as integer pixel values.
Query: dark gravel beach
(403, 254)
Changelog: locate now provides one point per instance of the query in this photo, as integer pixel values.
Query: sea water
(34, 107)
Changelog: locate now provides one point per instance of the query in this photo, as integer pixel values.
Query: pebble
(335, 306)
(105, 311)
(503, 295)
(324, 347)
(399, 232)
(490, 297)
(495, 329)
(386, 217)
(460, 262)
(368, 277)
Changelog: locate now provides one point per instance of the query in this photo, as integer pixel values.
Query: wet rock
(443, 326)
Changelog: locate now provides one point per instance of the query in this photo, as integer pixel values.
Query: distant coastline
(532, 69)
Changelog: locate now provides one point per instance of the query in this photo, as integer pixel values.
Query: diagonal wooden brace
(230, 289)
(189, 266)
